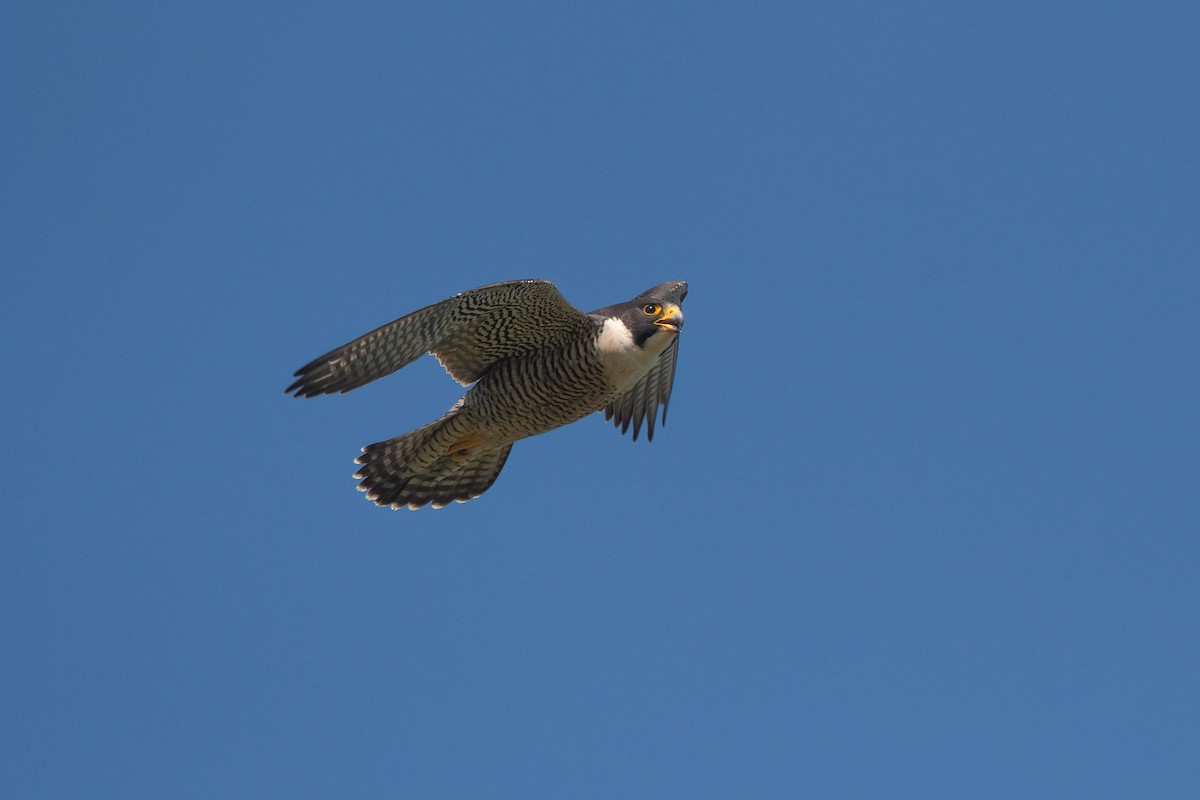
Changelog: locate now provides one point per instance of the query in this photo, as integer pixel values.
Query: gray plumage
(536, 363)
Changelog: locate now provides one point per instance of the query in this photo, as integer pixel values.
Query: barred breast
(533, 393)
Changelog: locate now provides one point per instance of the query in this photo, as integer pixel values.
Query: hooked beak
(671, 318)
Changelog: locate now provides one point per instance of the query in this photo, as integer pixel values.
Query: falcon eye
(651, 309)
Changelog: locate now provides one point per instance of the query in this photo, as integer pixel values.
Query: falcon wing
(467, 332)
(642, 401)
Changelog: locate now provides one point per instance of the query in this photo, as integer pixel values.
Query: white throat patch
(624, 362)
(615, 338)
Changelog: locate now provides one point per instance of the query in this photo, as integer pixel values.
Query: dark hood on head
(669, 292)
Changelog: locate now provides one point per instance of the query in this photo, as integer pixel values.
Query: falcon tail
(438, 464)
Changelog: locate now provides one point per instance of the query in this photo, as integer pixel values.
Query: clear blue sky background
(923, 522)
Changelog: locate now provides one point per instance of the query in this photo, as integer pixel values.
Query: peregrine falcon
(536, 363)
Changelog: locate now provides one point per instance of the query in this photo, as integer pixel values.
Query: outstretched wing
(467, 332)
(643, 400)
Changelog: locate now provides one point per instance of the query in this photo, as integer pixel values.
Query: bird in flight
(534, 363)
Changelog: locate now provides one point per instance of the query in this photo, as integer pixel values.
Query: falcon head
(653, 314)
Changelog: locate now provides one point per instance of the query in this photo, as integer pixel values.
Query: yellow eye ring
(651, 309)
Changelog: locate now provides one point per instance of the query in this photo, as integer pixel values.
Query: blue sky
(923, 521)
